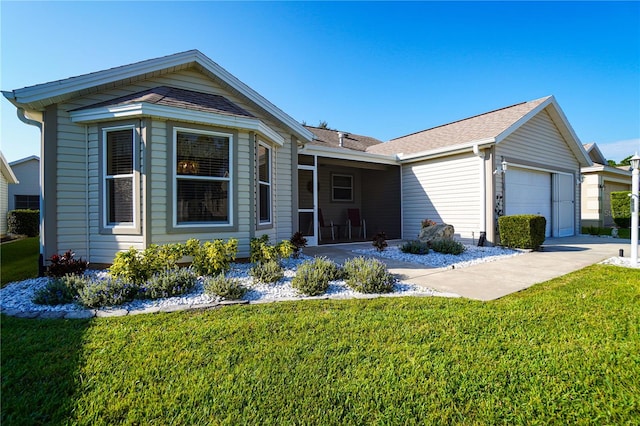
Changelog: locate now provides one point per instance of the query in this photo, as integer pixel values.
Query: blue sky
(373, 68)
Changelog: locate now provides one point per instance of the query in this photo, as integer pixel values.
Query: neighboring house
(26, 194)
(454, 173)
(7, 177)
(599, 181)
(176, 147)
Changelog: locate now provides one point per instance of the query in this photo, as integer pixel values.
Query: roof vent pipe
(341, 139)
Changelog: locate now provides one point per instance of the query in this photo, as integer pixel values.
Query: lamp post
(635, 163)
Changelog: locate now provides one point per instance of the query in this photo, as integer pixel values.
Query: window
(341, 187)
(28, 202)
(118, 170)
(202, 177)
(264, 184)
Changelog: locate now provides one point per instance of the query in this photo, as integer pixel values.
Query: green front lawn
(563, 352)
(19, 260)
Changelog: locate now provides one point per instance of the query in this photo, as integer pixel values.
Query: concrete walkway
(492, 280)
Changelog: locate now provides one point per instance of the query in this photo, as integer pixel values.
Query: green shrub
(522, 231)
(169, 283)
(368, 275)
(212, 257)
(106, 292)
(65, 264)
(227, 288)
(138, 266)
(56, 292)
(446, 246)
(267, 272)
(313, 276)
(415, 247)
(261, 251)
(621, 208)
(23, 222)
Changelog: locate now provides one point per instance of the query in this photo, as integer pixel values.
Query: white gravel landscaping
(620, 261)
(471, 256)
(18, 296)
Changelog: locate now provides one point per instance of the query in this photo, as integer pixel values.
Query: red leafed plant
(65, 264)
(428, 222)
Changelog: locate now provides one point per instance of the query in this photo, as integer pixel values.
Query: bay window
(264, 184)
(202, 172)
(119, 185)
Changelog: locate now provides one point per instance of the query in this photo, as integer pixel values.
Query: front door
(307, 202)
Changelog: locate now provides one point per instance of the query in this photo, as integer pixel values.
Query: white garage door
(528, 192)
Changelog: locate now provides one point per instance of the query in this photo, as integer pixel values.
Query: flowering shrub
(168, 283)
(65, 264)
(267, 272)
(227, 288)
(56, 292)
(428, 222)
(106, 292)
(368, 275)
(312, 277)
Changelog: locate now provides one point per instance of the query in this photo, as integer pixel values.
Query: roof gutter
(473, 146)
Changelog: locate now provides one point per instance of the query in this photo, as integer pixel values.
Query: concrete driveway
(492, 280)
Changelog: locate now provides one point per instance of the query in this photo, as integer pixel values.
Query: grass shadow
(39, 367)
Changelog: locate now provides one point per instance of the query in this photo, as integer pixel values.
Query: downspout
(21, 113)
(86, 197)
(483, 190)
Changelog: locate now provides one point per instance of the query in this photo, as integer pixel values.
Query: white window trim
(174, 177)
(341, 187)
(134, 188)
(260, 182)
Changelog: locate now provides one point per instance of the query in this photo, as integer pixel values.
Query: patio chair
(322, 225)
(355, 221)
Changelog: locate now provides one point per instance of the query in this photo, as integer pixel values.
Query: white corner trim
(180, 114)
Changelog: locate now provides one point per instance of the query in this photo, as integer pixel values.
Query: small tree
(621, 208)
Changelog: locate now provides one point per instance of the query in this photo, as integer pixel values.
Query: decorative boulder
(436, 232)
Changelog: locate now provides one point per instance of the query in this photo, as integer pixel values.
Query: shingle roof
(329, 138)
(178, 98)
(479, 127)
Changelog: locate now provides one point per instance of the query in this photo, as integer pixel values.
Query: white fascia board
(344, 154)
(445, 151)
(606, 169)
(254, 96)
(52, 89)
(6, 170)
(565, 129)
(44, 91)
(151, 110)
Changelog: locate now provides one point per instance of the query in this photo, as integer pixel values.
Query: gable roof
(179, 98)
(331, 138)
(594, 153)
(39, 96)
(5, 170)
(488, 128)
(24, 160)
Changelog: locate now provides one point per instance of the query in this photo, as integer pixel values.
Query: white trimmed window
(264, 184)
(119, 165)
(202, 173)
(341, 187)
